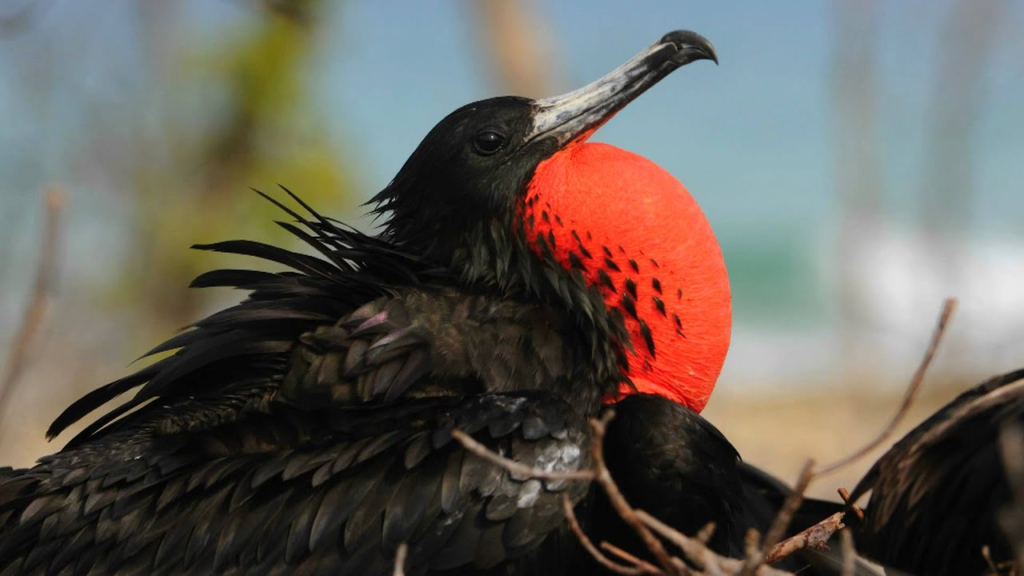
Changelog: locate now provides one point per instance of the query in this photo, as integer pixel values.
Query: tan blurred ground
(780, 431)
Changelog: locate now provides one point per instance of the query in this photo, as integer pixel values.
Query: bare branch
(514, 467)
(699, 554)
(816, 536)
(598, 428)
(608, 563)
(849, 554)
(908, 398)
(704, 534)
(845, 495)
(789, 508)
(400, 555)
(614, 550)
(39, 301)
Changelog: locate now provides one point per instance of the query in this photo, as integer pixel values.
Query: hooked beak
(576, 115)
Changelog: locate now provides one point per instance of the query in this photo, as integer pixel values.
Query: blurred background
(860, 160)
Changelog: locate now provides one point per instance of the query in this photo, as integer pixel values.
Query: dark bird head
(506, 193)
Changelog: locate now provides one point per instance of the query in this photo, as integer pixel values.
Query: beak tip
(691, 46)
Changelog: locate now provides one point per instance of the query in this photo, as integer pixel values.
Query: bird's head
(507, 193)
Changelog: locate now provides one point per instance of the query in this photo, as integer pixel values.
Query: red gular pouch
(635, 232)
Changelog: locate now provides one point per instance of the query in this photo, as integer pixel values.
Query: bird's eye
(487, 143)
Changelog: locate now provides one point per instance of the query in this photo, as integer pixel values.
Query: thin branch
(948, 306)
(699, 554)
(644, 565)
(618, 501)
(514, 467)
(849, 553)
(816, 536)
(752, 557)
(400, 555)
(789, 507)
(39, 301)
(608, 563)
(845, 495)
(706, 532)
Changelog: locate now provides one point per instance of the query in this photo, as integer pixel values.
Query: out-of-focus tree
(949, 196)
(857, 160)
(519, 44)
(262, 132)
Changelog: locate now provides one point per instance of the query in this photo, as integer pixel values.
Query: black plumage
(937, 494)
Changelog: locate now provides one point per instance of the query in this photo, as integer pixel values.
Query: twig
(646, 566)
(608, 563)
(752, 557)
(400, 555)
(948, 306)
(705, 534)
(816, 536)
(700, 554)
(514, 467)
(598, 428)
(40, 299)
(845, 495)
(785, 515)
(849, 553)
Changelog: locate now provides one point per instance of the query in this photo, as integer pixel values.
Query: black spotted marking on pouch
(589, 237)
(611, 264)
(679, 325)
(659, 305)
(679, 293)
(622, 250)
(530, 222)
(607, 252)
(634, 265)
(579, 244)
(542, 245)
(576, 236)
(645, 331)
(631, 287)
(575, 262)
(551, 238)
(558, 219)
(544, 216)
(606, 280)
(629, 305)
(657, 285)
(655, 263)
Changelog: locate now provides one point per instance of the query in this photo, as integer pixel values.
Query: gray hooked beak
(576, 115)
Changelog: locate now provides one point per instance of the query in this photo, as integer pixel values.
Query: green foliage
(261, 132)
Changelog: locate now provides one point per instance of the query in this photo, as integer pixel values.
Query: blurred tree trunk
(263, 133)
(858, 170)
(948, 197)
(519, 44)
